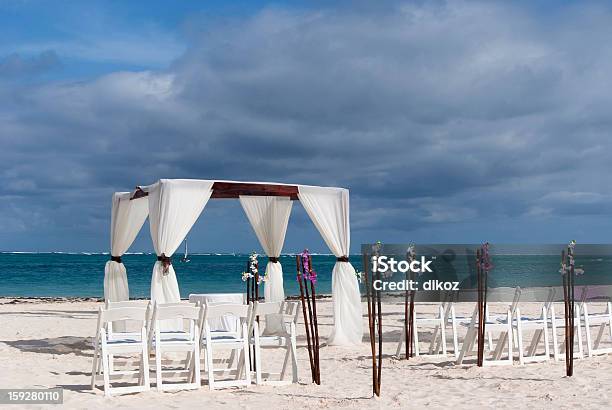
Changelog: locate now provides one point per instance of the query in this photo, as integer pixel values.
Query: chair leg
(258, 361)
(535, 341)
(106, 370)
(579, 332)
(610, 318)
(499, 348)
(602, 329)
(587, 327)
(294, 364)
(519, 331)
(400, 344)
(416, 337)
(145, 365)
(285, 361)
(555, 337)
(455, 338)
(246, 357)
(158, 367)
(546, 339)
(95, 365)
(197, 377)
(209, 360)
(434, 346)
(467, 344)
(443, 334)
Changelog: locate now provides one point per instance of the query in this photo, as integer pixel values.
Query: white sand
(48, 344)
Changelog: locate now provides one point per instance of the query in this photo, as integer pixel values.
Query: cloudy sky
(449, 122)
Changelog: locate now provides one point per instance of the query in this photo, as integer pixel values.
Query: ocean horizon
(81, 274)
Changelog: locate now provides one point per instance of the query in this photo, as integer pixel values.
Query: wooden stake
(366, 265)
(407, 314)
(569, 304)
(315, 323)
(305, 316)
(380, 333)
(481, 317)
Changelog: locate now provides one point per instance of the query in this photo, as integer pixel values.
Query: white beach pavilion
(174, 205)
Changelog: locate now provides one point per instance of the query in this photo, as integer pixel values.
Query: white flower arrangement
(570, 255)
(359, 275)
(253, 270)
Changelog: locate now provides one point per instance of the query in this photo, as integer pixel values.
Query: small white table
(227, 323)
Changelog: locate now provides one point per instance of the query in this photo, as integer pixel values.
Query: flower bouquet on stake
(252, 278)
(568, 272)
(307, 279)
(483, 266)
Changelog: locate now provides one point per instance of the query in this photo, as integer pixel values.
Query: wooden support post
(371, 300)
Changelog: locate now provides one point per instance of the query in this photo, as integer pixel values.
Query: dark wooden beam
(235, 189)
(139, 193)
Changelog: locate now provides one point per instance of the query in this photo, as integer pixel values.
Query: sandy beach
(48, 344)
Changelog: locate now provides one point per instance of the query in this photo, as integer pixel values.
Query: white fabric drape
(127, 218)
(329, 210)
(174, 206)
(269, 217)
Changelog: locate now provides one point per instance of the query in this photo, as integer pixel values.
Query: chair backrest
(551, 298)
(217, 311)
(267, 308)
(515, 299)
(275, 315)
(176, 311)
(291, 309)
(127, 303)
(136, 313)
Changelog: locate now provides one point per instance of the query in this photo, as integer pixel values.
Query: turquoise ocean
(82, 274)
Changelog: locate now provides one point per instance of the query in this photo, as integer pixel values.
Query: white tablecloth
(227, 323)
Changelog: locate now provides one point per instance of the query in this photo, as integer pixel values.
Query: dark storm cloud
(433, 114)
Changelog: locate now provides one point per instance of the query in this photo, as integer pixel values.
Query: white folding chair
(597, 320)
(122, 330)
(540, 327)
(556, 323)
(187, 341)
(105, 348)
(213, 342)
(467, 321)
(121, 327)
(438, 322)
(503, 329)
(275, 316)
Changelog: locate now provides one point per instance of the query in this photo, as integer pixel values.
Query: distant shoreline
(13, 300)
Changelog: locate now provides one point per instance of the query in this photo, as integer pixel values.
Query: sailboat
(185, 258)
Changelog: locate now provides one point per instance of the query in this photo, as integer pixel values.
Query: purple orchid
(309, 273)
